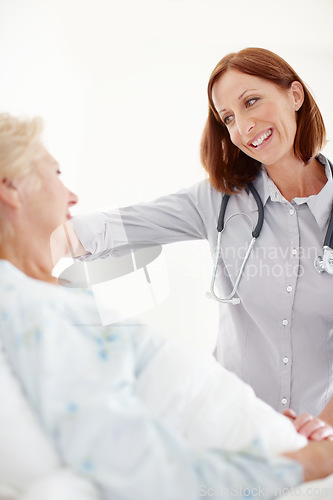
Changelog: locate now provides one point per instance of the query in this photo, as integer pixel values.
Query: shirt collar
(320, 205)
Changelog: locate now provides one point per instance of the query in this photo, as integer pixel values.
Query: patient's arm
(311, 427)
(316, 459)
(82, 381)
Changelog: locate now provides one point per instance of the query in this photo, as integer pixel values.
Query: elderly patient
(140, 417)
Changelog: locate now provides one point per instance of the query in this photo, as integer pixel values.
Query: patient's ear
(8, 193)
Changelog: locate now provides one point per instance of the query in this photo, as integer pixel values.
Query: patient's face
(47, 206)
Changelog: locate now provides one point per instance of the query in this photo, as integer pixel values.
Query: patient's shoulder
(26, 301)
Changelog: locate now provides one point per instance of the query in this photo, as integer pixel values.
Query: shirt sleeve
(83, 385)
(175, 217)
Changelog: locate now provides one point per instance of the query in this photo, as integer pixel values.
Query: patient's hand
(316, 459)
(311, 427)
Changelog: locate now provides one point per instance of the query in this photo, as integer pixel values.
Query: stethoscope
(321, 263)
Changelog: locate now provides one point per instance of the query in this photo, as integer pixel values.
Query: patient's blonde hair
(19, 140)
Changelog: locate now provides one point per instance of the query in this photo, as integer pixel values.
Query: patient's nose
(73, 199)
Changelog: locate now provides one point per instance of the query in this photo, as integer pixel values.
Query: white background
(121, 86)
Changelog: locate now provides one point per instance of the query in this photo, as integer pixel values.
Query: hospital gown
(134, 413)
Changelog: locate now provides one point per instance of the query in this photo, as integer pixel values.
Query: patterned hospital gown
(88, 385)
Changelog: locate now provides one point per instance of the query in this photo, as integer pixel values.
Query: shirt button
(285, 322)
(285, 360)
(284, 401)
(294, 251)
(289, 288)
(291, 211)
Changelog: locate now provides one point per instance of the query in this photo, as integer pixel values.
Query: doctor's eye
(251, 101)
(227, 119)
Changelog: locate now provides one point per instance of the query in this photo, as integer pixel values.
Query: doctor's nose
(244, 124)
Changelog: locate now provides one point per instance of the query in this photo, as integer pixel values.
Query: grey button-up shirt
(279, 339)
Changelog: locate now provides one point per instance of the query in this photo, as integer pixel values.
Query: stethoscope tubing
(321, 264)
(328, 242)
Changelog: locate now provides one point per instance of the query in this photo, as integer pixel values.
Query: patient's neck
(31, 257)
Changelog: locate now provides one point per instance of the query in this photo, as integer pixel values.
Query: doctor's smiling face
(259, 115)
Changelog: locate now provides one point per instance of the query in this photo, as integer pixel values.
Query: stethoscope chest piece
(325, 262)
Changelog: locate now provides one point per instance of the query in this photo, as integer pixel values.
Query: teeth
(262, 138)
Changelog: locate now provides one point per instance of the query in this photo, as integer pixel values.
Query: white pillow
(29, 466)
(211, 406)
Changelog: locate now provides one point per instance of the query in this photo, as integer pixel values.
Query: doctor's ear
(297, 93)
(8, 193)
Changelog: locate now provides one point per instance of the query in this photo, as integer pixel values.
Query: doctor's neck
(295, 179)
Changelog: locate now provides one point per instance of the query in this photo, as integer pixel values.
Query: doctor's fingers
(290, 414)
(325, 432)
(313, 428)
(303, 419)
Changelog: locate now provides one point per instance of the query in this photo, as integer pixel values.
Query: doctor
(264, 128)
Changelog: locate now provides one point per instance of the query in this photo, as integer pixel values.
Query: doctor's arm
(171, 218)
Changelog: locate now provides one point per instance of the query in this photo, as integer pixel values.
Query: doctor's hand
(65, 243)
(311, 427)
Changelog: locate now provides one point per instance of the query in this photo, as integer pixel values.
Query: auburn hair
(229, 169)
